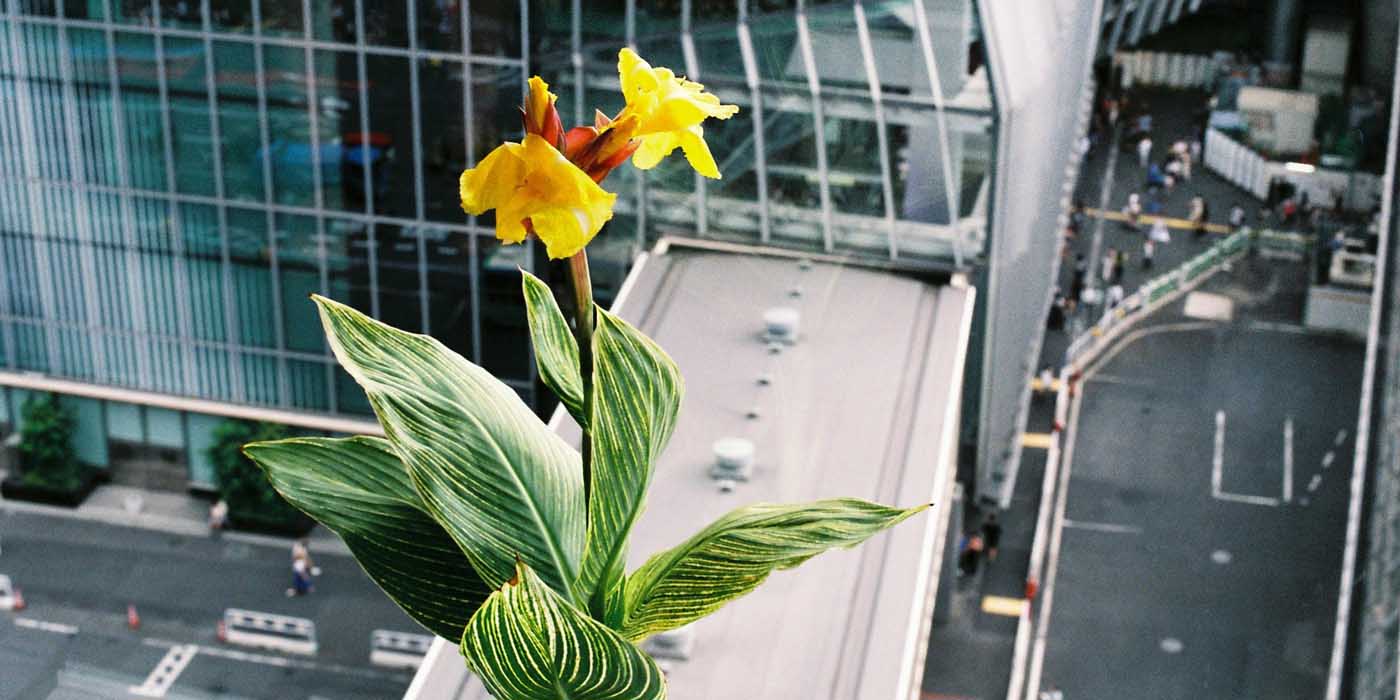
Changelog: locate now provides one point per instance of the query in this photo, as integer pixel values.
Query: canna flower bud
(540, 115)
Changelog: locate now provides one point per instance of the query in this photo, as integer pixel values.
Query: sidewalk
(174, 513)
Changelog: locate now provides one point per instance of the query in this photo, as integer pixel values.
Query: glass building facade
(177, 177)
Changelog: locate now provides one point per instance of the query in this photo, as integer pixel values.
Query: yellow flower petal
(653, 149)
(565, 206)
(669, 110)
(697, 152)
(492, 181)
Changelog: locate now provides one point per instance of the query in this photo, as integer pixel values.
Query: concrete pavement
(83, 574)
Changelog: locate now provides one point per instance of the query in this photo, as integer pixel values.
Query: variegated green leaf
(556, 350)
(636, 397)
(501, 483)
(358, 488)
(528, 643)
(737, 552)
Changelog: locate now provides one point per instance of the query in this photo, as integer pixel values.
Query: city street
(1202, 534)
(73, 641)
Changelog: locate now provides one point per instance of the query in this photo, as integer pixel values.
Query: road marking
(1316, 481)
(1004, 606)
(1288, 459)
(1246, 498)
(1103, 527)
(1149, 219)
(1328, 458)
(1217, 472)
(1040, 441)
(279, 661)
(1341, 438)
(1217, 465)
(45, 626)
(167, 670)
(1221, 557)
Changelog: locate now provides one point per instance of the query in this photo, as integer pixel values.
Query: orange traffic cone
(19, 600)
(133, 621)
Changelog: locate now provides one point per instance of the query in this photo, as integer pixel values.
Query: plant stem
(583, 331)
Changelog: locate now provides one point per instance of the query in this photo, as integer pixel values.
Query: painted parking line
(45, 626)
(1314, 483)
(1328, 459)
(1341, 438)
(1288, 459)
(1103, 527)
(1004, 606)
(1217, 472)
(166, 672)
(1040, 441)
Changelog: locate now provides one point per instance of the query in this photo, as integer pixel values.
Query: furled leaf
(636, 397)
(358, 488)
(737, 552)
(556, 350)
(527, 643)
(500, 482)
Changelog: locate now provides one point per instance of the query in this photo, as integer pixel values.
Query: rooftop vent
(780, 324)
(733, 459)
(674, 644)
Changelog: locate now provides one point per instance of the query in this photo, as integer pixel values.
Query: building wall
(176, 178)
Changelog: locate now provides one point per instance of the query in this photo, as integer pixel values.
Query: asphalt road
(1175, 584)
(77, 574)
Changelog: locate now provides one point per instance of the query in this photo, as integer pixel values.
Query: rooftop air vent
(674, 644)
(733, 459)
(780, 324)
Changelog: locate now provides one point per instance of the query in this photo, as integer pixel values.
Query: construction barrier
(10, 597)
(1249, 170)
(392, 649)
(1163, 69)
(292, 635)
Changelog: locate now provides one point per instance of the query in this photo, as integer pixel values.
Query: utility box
(1281, 122)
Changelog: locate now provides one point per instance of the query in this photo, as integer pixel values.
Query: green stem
(583, 331)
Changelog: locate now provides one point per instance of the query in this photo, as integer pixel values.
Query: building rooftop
(863, 404)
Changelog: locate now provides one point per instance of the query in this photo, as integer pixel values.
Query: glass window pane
(164, 427)
(240, 138)
(400, 299)
(124, 422)
(391, 124)
(298, 249)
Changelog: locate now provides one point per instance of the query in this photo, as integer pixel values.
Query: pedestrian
(1055, 321)
(1155, 178)
(1236, 217)
(1106, 271)
(970, 555)
(991, 529)
(1114, 296)
(1133, 209)
(301, 579)
(1120, 263)
(1144, 150)
(1197, 215)
(1149, 249)
(218, 516)
(1159, 232)
(1081, 270)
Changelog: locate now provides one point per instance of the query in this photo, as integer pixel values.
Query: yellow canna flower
(669, 111)
(533, 185)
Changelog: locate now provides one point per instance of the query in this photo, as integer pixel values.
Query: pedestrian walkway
(174, 513)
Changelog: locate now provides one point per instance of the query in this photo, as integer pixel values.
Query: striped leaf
(737, 552)
(636, 397)
(500, 482)
(358, 488)
(527, 643)
(556, 350)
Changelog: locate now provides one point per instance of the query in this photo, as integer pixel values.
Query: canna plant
(479, 521)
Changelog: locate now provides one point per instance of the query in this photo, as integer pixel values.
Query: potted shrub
(49, 468)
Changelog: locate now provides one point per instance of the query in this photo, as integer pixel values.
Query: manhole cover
(1221, 556)
(1172, 645)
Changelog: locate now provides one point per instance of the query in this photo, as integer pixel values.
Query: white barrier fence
(392, 649)
(1247, 169)
(9, 596)
(293, 635)
(1176, 70)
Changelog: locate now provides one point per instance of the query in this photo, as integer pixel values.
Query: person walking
(218, 516)
(1081, 271)
(302, 569)
(970, 555)
(1108, 271)
(1144, 150)
(1114, 296)
(1197, 215)
(1149, 249)
(991, 529)
(1133, 209)
(1236, 217)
